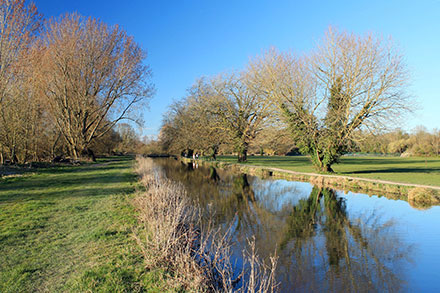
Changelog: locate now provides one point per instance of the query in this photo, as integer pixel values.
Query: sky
(185, 40)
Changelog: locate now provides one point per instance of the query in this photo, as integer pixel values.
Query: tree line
(322, 102)
(420, 142)
(65, 83)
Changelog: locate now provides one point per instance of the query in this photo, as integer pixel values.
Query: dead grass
(421, 198)
(195, 256)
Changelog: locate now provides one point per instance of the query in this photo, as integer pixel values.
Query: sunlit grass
(416, 170)
(69, 228)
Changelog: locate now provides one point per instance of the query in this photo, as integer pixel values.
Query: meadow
(69, 228)
(415, 170)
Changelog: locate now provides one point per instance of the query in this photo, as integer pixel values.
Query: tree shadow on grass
(395, 170)
(70, 193)
(69, 182)
(383, 161)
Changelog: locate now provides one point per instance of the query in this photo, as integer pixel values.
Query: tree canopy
(346, 85)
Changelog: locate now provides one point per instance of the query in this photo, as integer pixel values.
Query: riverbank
(69, 228)
(419, 195)
(176, 237)
(412, 170)
(326, 240)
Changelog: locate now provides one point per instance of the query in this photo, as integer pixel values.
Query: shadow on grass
(65, 221)
(69, 181)
(395, 170)
(382, 161)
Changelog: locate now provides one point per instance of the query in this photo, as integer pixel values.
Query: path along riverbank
(416, 194)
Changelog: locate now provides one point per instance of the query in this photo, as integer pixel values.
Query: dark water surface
(326, 240)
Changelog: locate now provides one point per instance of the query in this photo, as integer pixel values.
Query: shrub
(421, 197)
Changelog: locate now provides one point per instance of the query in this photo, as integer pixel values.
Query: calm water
(326, 240)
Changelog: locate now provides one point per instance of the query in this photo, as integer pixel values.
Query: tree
(177, 134)
(95, 77)
(205, 127)
(348, 83)
(436, 141)
(190, 125)
(273, 140)
(242, 112)
(19, 25)
(129, 139)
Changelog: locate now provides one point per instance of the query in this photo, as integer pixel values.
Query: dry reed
(195, 256)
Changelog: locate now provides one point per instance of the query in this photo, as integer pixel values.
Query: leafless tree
(242, 111)
(19, 24)
(94, 77)
(348, 83)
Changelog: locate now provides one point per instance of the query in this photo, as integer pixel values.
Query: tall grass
(196, 256)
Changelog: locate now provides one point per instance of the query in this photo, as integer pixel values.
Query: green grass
(69, 228)
(416, 170)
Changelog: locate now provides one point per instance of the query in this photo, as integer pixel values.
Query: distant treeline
(419, 142)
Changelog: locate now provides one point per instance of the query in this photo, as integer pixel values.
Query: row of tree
(320, 101)
(64, 83)
(419, 142)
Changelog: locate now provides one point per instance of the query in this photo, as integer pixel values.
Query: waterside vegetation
(299, 168)
(174, 237)
(414, 170)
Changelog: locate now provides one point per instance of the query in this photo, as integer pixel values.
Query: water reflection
(332, 252)
(321, 246)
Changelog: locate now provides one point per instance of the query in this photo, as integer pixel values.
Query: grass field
(418, 170)
(69, 228)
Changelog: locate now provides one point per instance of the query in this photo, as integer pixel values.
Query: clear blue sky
(188, 39)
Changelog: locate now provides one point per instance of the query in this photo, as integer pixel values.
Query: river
(326, 240)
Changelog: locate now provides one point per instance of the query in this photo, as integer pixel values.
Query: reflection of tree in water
(320, 248)
(243, 197)
(302, 221)
(242, 189)
(320, 242)
(213, 175)
(231, 196)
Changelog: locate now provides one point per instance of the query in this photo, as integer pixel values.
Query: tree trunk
(74, 153)
(14, 158)
(327, 169)
(54, 145)
(89, 154)
(318, 162)
(242, 156)
(242, 153)
(214, 152)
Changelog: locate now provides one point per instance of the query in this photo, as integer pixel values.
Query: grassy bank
(69, 228)
(424, 171)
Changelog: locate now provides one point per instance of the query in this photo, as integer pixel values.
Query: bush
(421, 197)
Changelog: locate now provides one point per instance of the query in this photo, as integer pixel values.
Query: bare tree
(190, 125)
(347, 83)
(94, 77)
(19, 24)
(177, 134)
(242, 111)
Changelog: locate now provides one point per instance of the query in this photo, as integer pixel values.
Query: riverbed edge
(393, 190)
